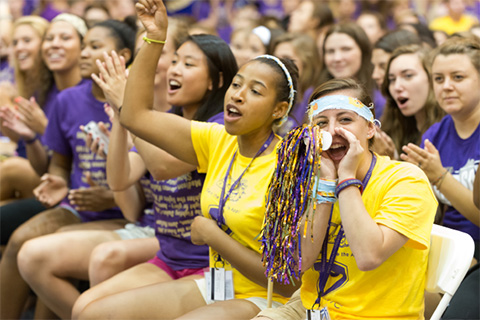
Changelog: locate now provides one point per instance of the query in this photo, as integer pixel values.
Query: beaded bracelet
(347, 183)
(438, 182)
(30, 141)
(439, 179)
(149, 41)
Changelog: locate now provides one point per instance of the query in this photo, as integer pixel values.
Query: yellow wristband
(149, 41)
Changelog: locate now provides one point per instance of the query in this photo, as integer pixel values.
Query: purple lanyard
(326, 266)
(223, 197)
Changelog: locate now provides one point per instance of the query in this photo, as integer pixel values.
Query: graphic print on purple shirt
(176, 203)
(74, 107)
(461, 157)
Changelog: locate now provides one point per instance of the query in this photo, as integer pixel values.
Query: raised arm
(124, 168)
(166, 131)
(128, 170)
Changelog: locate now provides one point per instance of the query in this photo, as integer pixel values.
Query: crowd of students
(147, 134)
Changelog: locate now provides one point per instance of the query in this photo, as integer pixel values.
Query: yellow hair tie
(149, 41)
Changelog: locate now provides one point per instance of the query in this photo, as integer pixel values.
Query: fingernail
(17, 99)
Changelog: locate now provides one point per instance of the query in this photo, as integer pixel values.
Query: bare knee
(88, 312)
(21, 235)
(105, 261)
(31, 259)
(81, 303)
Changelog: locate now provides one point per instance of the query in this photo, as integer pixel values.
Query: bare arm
(476, 189)
(124, 168)
(38, 157)
(371, 244)
(137, 113)
(60, 165)
(160, 164)
(245, 260)
(131, 202)
(312, 243)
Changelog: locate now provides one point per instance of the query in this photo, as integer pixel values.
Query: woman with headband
(371, 238)
(238, 160)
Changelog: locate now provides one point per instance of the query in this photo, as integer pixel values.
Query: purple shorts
(175, 274)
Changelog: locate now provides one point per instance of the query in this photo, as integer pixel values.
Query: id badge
(219, 284)
(316, 314)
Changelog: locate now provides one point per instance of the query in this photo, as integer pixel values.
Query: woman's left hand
(202, 226)
(427, 159)
(32, 115)
(347, 168)
(93, 198)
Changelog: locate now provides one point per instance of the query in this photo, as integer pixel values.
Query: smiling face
(26, 46)
(188, 77)
(328, 120)
(250, 101)
(61, 47)
(96, 41)
(456, 83)
(343, 57)
(379, 61)
(408, 83)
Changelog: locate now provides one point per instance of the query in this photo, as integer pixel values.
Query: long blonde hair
(39, 80)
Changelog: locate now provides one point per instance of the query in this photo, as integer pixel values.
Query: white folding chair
(451, 253)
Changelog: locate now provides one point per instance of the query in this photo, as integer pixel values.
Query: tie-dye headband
(340, 102)
(290, 85)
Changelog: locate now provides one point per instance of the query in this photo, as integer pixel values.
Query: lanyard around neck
(224, 197)
(326, 266)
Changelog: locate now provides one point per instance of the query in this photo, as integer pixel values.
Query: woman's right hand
(51, 190)
(153, 15)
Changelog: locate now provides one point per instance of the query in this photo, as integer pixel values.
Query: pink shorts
(175, 274)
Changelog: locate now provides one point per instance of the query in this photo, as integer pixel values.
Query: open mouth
(337, 151)
(402, 101)
(174, 85)
(232, 111)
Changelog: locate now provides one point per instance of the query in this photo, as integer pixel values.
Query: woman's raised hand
(153, 15)
(347, 168)
(112, 78)
(428, 159)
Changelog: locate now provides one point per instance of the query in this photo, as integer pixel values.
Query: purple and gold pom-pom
(290, 198)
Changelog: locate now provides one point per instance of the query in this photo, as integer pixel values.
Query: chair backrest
(450, 256)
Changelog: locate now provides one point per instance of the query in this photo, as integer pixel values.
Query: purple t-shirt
(74, 107)
(176, 203)
(461, 157)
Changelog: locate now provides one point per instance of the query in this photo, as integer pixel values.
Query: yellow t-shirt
(244, 210)
(398, 196)
(449, 26)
